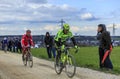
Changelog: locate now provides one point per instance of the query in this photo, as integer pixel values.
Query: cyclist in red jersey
(26, 42)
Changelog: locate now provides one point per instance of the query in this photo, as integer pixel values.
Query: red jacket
(26, 40)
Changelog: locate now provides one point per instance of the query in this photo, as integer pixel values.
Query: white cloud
(86, 16)
(29, 10)
(37, 1)
(81, 30)
(75, 29)
(3, 28)
(89, 28)
(34, 14)
(51, 28)
(65, 7)
(111, 25)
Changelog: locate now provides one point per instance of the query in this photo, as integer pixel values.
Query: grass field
(86, 57)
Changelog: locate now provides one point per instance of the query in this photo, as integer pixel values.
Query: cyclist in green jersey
(62, 36)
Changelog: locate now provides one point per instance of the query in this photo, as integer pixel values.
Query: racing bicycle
(28, 59)
(65, 60)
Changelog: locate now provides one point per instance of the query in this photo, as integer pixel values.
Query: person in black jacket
(10, 45)
(104, 45)
(48, 43)
(16, 44)
(19, 45)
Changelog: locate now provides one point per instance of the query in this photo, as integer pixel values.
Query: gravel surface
(11, 67)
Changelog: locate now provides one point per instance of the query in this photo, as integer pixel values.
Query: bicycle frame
(65, 57)
(28, 51)
(65, 60)
(28, 57)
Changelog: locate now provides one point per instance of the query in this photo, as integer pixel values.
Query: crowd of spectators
(13, 44)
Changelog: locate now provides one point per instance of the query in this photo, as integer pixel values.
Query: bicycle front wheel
(24, 61)
(30, 61)
(70, 68)
(57, 65)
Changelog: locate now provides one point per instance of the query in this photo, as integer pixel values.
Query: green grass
(86, 57)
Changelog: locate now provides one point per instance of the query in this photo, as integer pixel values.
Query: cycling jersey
(26, 40)
(61, 35)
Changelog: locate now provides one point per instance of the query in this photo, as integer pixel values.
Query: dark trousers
(16, 49)
(57, 44)
(107, 63)
(10, 48)
(49, 52)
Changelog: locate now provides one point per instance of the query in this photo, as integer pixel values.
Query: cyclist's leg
(50, 51)
(57, 45)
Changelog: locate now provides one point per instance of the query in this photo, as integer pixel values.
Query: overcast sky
(44, 15)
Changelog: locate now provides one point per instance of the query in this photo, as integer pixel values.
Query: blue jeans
(54, 52)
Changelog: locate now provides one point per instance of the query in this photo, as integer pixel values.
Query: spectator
(10, 45)
(2, 45)
(5, 43)
(104, 47)
(13, 44)
(19, 47)
(16, 44)
(48, 43)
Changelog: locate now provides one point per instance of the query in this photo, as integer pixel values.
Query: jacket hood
(103, 27)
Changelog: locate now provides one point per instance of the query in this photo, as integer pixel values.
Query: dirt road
(11, 67)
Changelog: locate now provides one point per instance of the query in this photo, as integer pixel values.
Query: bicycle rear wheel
(70, 68)
(57, 65)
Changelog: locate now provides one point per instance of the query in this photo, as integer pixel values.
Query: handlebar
(27, 46)
(67, 48)
(76, 51)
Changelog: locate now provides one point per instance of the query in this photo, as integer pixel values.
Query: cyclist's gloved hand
(62, 47)
(76, 47)
(33, 44)
(23, 46)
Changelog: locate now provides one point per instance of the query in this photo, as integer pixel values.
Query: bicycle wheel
(25, 61)
(70, 68)
(30, 61)
(57, 65)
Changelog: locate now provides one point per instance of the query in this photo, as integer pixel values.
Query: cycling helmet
(66, 27)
